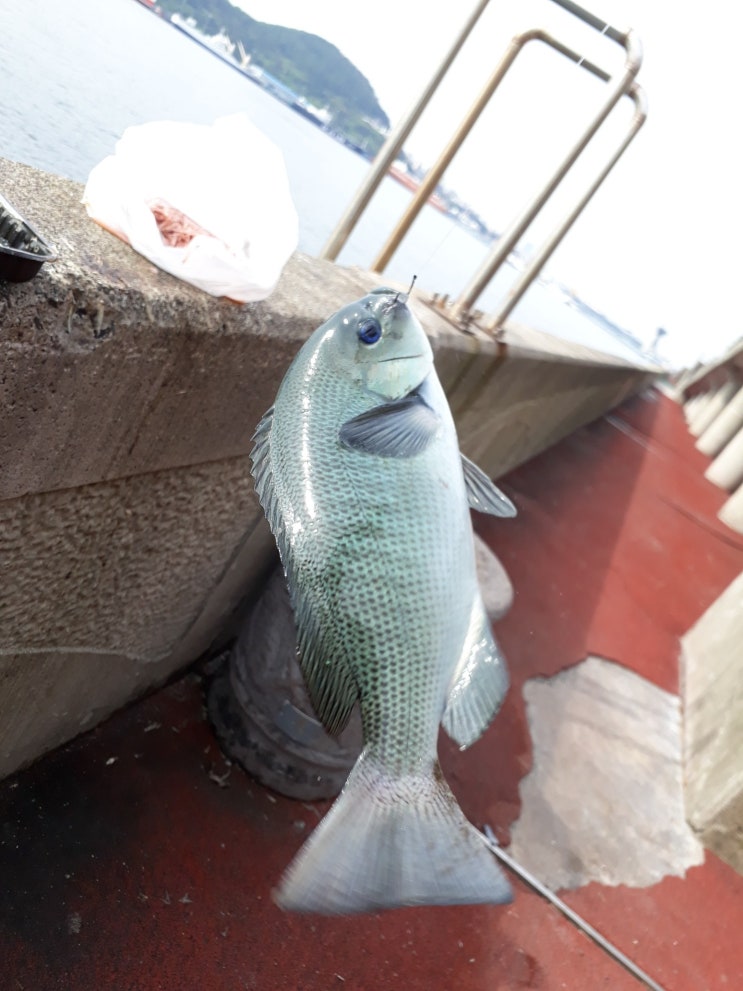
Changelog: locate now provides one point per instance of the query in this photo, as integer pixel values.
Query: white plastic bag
(227, 178)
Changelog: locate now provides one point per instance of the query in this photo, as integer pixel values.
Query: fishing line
(422, 268)
(492, 843)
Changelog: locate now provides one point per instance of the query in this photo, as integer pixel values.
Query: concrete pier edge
(711, 651)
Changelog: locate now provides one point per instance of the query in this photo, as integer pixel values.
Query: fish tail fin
(388, 842)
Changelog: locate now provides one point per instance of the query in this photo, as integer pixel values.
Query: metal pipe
(545, 252)
(595, 22)
(391, 148)
(509, 239)
(434, 175)
(621, 958)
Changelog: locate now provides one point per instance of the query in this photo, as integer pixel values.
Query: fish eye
(369, 331)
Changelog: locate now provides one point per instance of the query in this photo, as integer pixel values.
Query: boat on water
(219, 44)
(410, 182)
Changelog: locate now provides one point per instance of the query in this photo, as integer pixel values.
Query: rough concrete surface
(110, 585)
(712, 657)
(128, 402)
(604, 799)
(49, 697)
(130, 561)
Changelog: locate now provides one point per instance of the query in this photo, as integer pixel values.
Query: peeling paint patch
(604, 799)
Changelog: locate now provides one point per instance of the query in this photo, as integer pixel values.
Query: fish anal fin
(479, 684)
(327, 675)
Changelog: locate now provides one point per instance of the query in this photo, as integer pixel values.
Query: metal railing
(393, 145)
(545, 251)
(625, 85)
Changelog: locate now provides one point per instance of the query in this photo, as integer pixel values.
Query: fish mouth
(394, 376)
(401, 357)
(398, 301)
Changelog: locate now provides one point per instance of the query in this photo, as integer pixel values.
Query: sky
(658, 245)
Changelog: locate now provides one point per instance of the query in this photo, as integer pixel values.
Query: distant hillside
(309, 65)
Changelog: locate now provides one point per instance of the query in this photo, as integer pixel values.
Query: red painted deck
(125, 865)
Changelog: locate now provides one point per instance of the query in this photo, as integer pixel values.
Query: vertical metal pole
(509, 239)
(432, 178)
(391, 148)
(542, 256)
(592, 20)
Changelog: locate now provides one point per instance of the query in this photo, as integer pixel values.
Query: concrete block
(714, 407)
(726, 471)
(114, 586)
(509, 407)
(724, 427)
(121, 567)
(731, 513)
(712, 658)
(46, 698)
(692, 406)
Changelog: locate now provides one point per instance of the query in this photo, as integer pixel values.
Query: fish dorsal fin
(400, 429)
(479, 684)
(322, 658)
(482, 494)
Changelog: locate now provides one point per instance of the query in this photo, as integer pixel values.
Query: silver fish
(358, 470)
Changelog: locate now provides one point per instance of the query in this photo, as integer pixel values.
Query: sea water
(76, 74)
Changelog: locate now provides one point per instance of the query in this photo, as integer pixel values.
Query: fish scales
(383, 546)
(358, 468)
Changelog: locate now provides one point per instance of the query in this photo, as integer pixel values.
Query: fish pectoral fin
(400, 429)
(482, 494)
(479, 684)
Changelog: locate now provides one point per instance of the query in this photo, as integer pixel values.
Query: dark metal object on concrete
(22, 249)
(259, 706)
